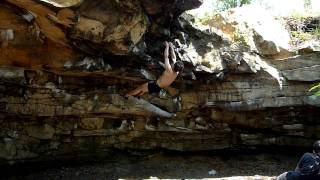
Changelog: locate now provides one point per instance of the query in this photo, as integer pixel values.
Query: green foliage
(239, 37)
(206, 64)
(298, 16)
(316, 32)
(307, 4)
(207, 17)
(222, 5)
(317, 89)
(301, 27)
(301, 36)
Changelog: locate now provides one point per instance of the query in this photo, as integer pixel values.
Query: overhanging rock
(64, 73)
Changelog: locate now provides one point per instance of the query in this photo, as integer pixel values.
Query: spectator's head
(178, 66)
(316, 147)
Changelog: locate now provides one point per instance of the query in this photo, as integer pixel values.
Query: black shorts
(153, 87)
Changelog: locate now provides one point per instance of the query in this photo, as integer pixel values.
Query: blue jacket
(309, 164)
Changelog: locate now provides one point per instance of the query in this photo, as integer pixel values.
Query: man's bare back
(166, 79)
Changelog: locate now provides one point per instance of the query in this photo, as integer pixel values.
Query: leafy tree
(222, 5)
(307, 4)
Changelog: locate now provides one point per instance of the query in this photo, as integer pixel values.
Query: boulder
(309, 47)
(303, 74)
(92, 123)
(256, 28)
(113, 26)
(8, 149)
(209, 50)
(44, 132)
(154, 7)
(64, 74)
(63, 3)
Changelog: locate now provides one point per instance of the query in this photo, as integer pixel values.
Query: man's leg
(291, 175)
(282, 176)
(144, 89)
(134, 92)
(139, 91)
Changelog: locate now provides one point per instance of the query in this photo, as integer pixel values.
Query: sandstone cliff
(65, 66)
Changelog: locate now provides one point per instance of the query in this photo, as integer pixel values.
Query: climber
(168, 76)
(308, 167)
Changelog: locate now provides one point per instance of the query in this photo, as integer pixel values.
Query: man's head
(178, 66)
(316, 147)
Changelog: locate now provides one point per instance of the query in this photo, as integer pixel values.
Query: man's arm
(166, 56)
(161, 64)
(173, 54)
(299, 164)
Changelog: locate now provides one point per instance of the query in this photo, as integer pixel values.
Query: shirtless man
(166, 79)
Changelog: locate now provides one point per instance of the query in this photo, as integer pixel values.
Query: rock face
(64, 72)
(115, 35)
(63, 3)
(255, 27)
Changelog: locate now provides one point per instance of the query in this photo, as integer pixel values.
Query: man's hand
(172, 53)
(166, 51)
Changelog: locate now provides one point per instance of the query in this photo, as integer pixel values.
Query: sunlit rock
(256, 28)
(63, 3)
(309, 47)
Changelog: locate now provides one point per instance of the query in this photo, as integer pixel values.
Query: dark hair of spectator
(316, 146)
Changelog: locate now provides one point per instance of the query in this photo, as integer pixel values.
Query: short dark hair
(316, 146)
(178, 66)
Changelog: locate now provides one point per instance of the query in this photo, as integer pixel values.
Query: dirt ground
(171, 166)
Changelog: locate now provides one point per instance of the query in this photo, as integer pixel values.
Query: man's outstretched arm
(166, 56)
(172, 53)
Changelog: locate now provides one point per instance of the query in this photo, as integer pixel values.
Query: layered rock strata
(64, 73)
